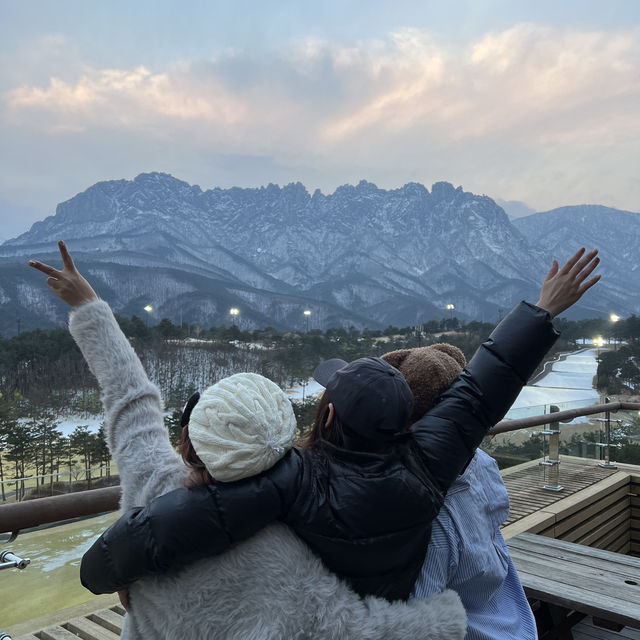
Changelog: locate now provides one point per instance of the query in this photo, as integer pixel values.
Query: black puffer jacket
(368, 516)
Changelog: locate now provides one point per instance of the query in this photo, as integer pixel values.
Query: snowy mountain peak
(361, 255)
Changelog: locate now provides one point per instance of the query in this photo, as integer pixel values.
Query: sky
(534, 102)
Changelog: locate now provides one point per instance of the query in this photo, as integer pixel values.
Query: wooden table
(598, 583)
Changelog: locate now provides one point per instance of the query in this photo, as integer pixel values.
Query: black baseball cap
(371, 398)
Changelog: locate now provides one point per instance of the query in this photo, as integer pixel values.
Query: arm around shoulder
(186, 525)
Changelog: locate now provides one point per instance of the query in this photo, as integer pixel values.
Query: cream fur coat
(270, 587)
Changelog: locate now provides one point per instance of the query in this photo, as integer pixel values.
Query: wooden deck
(525, 484)
(599, 507)
(90, 621)
(105, 624)
(532, 509)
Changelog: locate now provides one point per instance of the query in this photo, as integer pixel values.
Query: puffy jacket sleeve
(185, 525)
(449, 433)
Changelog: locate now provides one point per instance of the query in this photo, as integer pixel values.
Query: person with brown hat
(467, 552)
(365, 506)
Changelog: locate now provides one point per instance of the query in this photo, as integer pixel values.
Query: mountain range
(361, 256)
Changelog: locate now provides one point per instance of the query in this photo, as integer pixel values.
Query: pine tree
(20, 452)
(82, 443)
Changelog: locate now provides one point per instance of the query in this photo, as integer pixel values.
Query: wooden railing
(33, 513)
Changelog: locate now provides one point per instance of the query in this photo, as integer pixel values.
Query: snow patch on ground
(568, 385)
(309, 390)
(68, 424)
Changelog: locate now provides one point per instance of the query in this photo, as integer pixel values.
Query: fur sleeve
(134, 426)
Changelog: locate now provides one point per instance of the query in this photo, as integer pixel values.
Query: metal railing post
(9, 560)
(553, 459)
(606, 445)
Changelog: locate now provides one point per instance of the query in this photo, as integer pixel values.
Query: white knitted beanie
(241, 426)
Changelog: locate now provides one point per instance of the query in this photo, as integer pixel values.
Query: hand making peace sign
(68, 284)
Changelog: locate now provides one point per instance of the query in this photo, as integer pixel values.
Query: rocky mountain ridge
(360, 256)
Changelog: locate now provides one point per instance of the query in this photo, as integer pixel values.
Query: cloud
(503, 114)
(532, 81)
(542, 73)
(115, 98)
(408, 82)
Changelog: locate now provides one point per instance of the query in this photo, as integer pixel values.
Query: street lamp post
(149, 310)
(450, 307)
(598, 342)
(233, 312)
(307, 313)
(614, 318)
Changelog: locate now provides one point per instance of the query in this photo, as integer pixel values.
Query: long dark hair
(199, 474)
(320, 435)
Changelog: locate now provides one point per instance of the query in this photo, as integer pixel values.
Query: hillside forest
(43, 378)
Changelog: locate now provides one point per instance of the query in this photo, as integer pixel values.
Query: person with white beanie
(270, 586)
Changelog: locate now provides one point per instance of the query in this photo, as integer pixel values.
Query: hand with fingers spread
(564, 286)
(68, 284)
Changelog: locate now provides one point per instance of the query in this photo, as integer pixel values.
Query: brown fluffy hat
(429, 372)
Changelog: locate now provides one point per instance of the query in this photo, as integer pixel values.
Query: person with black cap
(369, 399)
(365, 510)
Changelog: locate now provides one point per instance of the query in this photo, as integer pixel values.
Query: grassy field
(51, 582)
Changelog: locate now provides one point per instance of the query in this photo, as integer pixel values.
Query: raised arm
(134, 426)
(449, 434)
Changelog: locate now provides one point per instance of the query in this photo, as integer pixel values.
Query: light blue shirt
(468, 554)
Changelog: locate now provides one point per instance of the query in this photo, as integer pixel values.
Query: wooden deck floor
(525, 484)
(104, 624)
